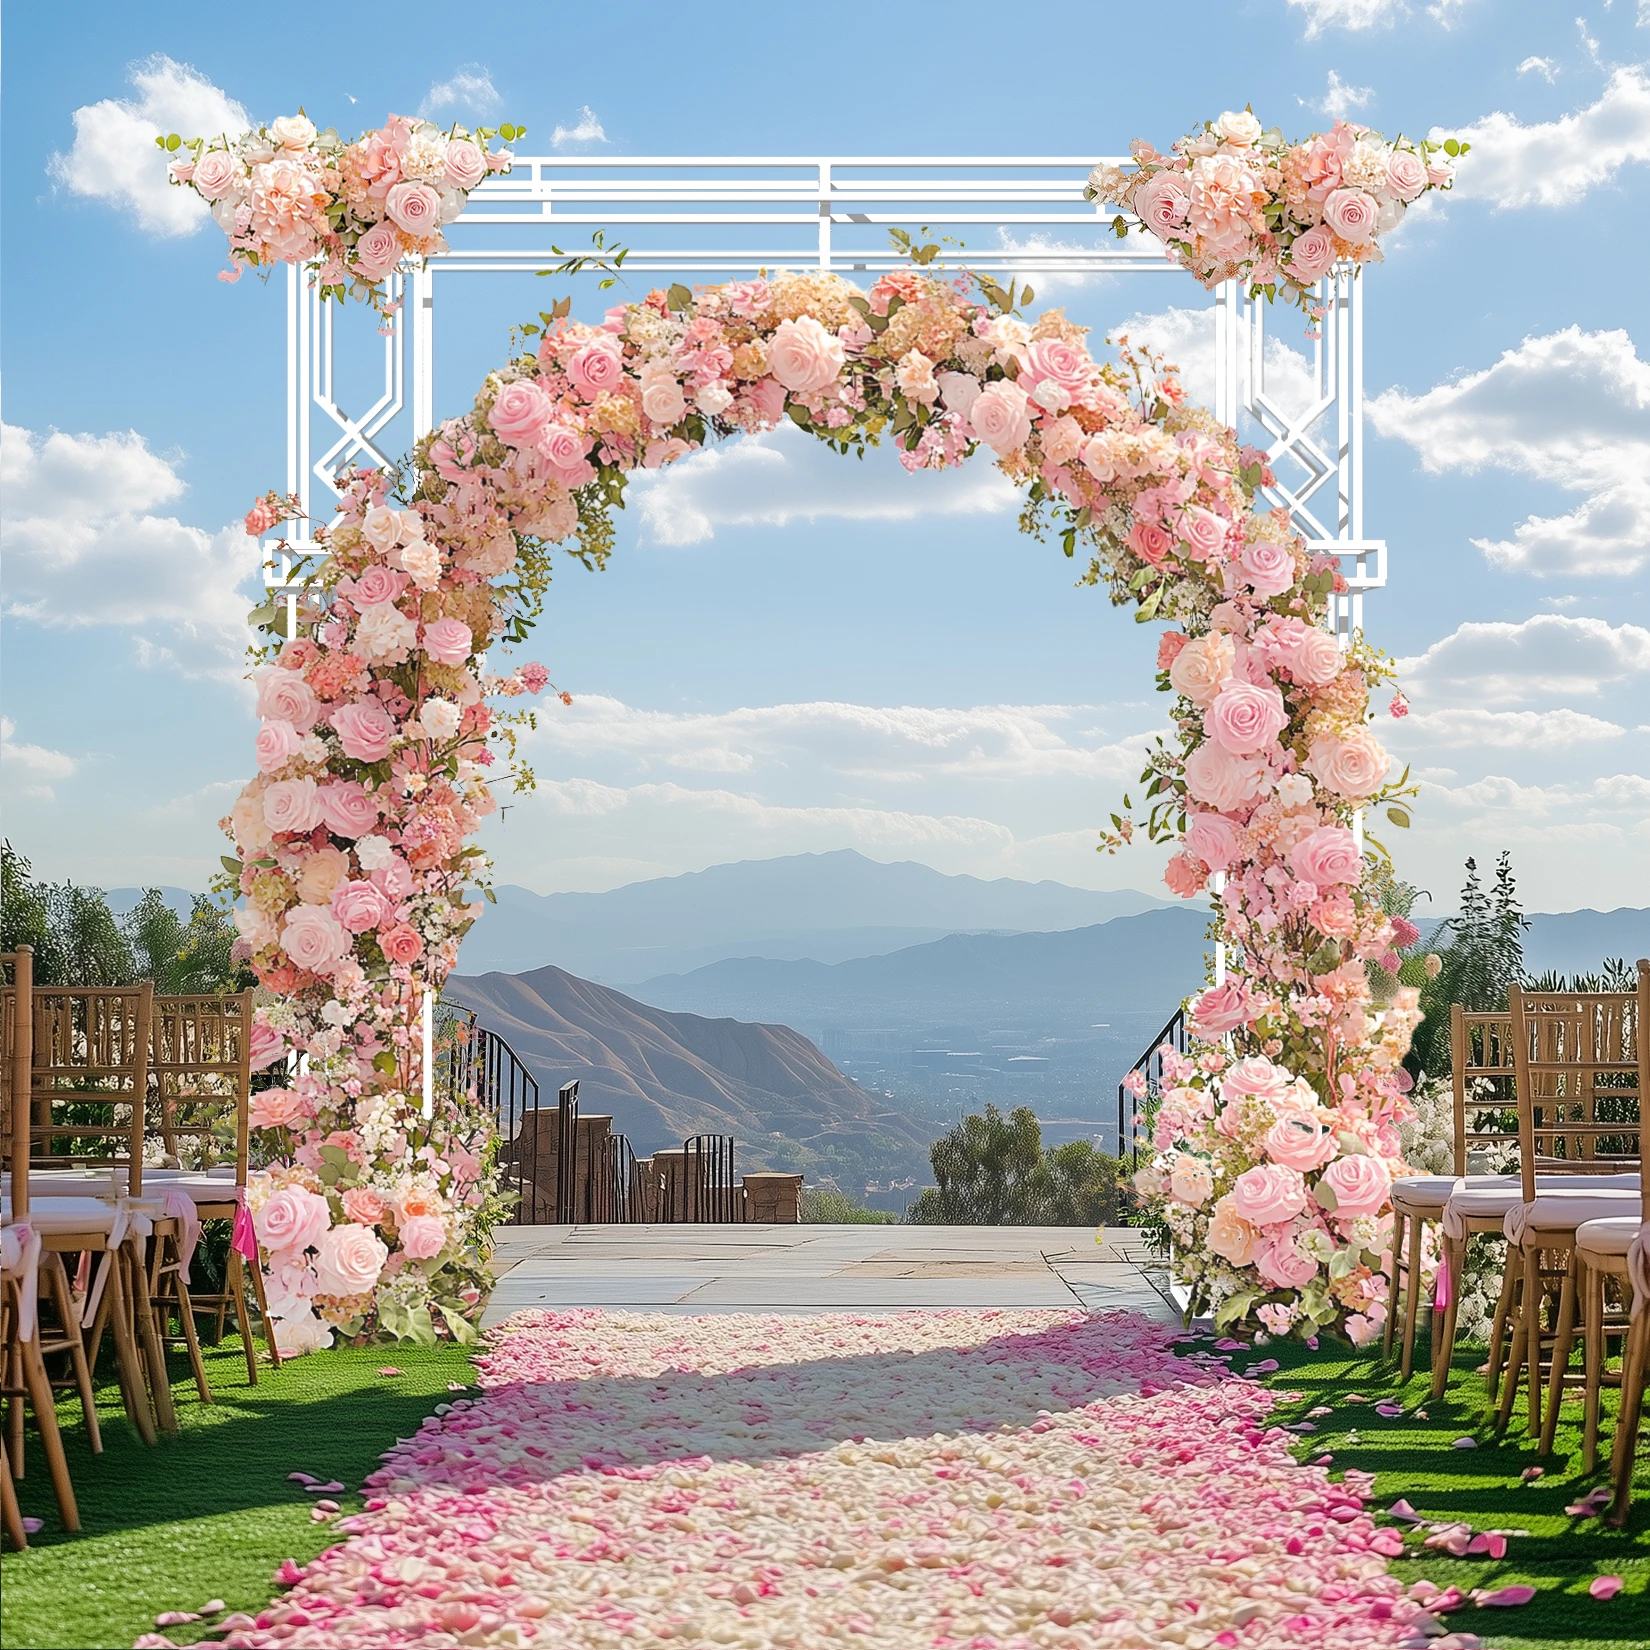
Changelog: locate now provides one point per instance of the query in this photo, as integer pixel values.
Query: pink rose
(519, 413)
(401, 944)
(285, 696)
(1221, 780)
(216, 174)
(292, 805)
(313, 938)
(277, 1108)
(1230, 1236)
(1351, 214)
(564, 448)
(1001, 417)
(448, 641)
(414, 207)
(1310, 256)
(347, 808)
(1268, 1194)
(1054, 360)
(363, 1205)
(1150, 543)
(597, 368)
(1406, 175)
(1213, 838)
(1356, 1185)
(466, 164)
(1169, 645)
(1253, 1075)
(360, 906)
(276, 745)
(1222, 1008)
(1161, 202)
(1245, 718)
(364, 729)
(1203, 531)
(268, 1046)
(423, 1237)
(1316, 660)
(292, 1220)
(803, 356)
(1326, 857)
(1184, 876)
(1353, 766)
(1201, 666)
(1268, 568)
(1299, 1141)
(1282, 1264)
(377, 585)
(348, 1261)
(377, 252)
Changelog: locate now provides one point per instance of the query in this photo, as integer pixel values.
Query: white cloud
(114, 158)
(1340, 99)
(1475, 727)
(470, 91)
(784, 476)
(1500, 663)
(587, 129)
(37, 766)
(83, 548)
(1573, 409)
(1555, 162)
(1543, 66)
(1045, 279)
(1353, 15)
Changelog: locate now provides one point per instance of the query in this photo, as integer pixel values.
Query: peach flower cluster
(1237, 202)
(287, 193)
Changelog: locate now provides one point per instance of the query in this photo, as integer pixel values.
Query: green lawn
(209, 1513)
(1415, 1460)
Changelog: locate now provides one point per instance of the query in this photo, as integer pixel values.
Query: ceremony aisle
(954, 1478)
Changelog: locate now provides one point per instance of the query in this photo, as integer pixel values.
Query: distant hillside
(826, 907)
(664, 1076)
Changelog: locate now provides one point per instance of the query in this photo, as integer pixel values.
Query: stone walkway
(821, 1268)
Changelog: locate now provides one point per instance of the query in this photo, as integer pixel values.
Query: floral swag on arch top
(1274, 1145)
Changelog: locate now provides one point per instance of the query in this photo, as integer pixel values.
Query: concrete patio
(799, 1268)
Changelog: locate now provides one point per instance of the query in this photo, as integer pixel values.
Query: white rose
(1238, 128)
(381, 527)
(1295, 790)
(960, 390)
(374, 853)
(440, 718)
(421, 561)
(662, 398)
(292, 131)
(714, 398)
(382, 630)
(411, 525)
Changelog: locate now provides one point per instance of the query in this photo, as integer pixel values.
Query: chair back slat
(200, 1078)
(16, 1061)
(1577, 1058)
(90, 1076)
(1482, 1067)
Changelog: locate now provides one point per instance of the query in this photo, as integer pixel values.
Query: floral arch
(355, 860)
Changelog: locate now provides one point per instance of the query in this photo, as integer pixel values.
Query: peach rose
(1244, 718)
(349, 1261)
(277, 1108)
(1184, 876)
(1310, 256)
(377, 252)
(1221, 780)
(401, 944)
(313, 938)
(1315, 660)
(422, 1238)
(803, 356)
(363, 1205)
(1351, 214)
(292, 805)
(662, 398)
(1190, 1181)
(1230, 1236)
(1269, 1194)
(216, 174)
(1352, 766)
(384, 633)
(322, 871)
(284, 695)
(291, 1220)
(1201, 666)
(1355, 1185)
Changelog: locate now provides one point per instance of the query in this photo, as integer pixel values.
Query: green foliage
(78, 940)
(822, 1207)
(994, 1171)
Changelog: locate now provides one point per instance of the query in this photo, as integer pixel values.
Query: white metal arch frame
(723, 217)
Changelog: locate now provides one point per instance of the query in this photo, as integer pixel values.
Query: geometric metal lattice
(713, 218)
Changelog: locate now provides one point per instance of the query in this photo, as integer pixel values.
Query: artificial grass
(1416, 1460)
(209, 1513)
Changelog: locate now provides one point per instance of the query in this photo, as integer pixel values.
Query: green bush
(831, 1208)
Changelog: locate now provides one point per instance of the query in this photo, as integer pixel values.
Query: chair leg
(1634, 1359)
(1501, 1325)
(1592, 1329)
(1412, 1296)
(1394, 1272)
(51, 1440)
(1515, 1343)
(1443, 1345)
(263, 1312)
(1534, 1299)
(149, 1341)
(1563, 1342)
(13, 1514)
(186, 1315)
(115, 1313)
(55, 1282)
(235, 1286)
(14, 1406)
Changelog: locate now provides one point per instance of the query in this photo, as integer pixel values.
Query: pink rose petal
(1402, 1509)
(1465, 1443)
(389, 1369)
(1517, 1593)
(175, 1618)
(33, 1526)
(1604, 1586)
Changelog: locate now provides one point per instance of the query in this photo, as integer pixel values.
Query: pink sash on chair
(20, 1256)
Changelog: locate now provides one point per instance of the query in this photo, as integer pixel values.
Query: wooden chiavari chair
(1573, 1052)
(20, 1244)
(200, 1099)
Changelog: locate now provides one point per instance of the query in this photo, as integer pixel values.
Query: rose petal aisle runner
(979, 1479)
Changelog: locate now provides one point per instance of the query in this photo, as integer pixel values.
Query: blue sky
(874, 662)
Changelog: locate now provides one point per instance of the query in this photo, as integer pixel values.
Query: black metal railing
(707, 1191)
(569, 1182)
(476, 1067)
(1150, 1064)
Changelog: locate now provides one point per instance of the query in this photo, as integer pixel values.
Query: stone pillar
(773, 1199)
